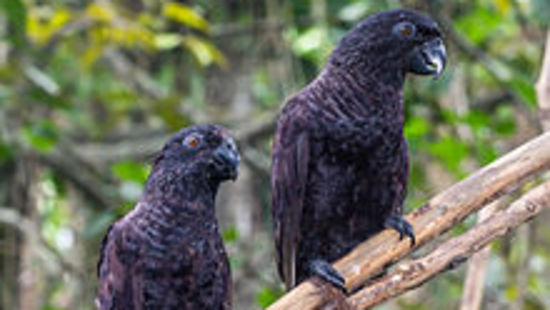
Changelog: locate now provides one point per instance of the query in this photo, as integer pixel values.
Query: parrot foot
(325, 271)
(403, 227)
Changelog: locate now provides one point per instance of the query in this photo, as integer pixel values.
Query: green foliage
(41, 136)
(185, 15)
(131, 171)
(267, 296)
(15, 12)
(230, 235)
(480, 24)
(451, 152)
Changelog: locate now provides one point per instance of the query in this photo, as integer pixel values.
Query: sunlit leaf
(416, 127)
(354, 11)
(267, 296)
(205, 52)
(503, 6)
(40, 29)
(309, 41)
(90, 56)
(185, 15)
(167, 41)
(230, 235)
(99, 12)
(131, 171)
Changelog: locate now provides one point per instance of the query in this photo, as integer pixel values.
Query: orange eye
(191, 141)
(405, 29)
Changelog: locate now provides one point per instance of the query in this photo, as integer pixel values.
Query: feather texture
(340, 160)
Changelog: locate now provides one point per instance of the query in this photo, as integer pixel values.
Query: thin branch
(72, 168)
(472, 290)
(439, 215)
(448, 255)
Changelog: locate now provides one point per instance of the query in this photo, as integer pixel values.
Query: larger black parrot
(167, 253)
(340, 160)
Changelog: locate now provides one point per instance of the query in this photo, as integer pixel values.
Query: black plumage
(340, 160)
(167, 253)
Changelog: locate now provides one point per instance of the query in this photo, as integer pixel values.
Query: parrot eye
(405, 29)
(191, 141)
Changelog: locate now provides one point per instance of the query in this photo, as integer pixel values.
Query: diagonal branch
(448, 255)
(439, 215)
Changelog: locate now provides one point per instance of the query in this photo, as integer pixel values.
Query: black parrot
(167, 253)
(340, 160)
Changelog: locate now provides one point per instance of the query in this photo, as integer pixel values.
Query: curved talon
(401, 225)
(325, 271)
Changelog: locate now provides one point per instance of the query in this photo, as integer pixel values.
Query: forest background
(89, 91)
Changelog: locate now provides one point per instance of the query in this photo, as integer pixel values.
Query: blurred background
(89, 90)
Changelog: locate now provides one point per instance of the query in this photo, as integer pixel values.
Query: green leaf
(17, 17)
(479, 25)
(451, 152)
(41, 136)
(167, 41)
(524, 88)
(310, 41)
(267, 296)
(205, 52)
(230, 235)
(354, 11)
(5, 152)
(416, 127)
(504, 122)
(477, 119)
(185, 15)
(131, 171)
(486, 152)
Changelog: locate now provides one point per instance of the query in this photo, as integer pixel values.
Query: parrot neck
(365, 93)
(373, 74)
(180, 188)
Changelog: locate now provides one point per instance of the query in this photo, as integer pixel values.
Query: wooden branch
(543, 87)
(448, 255)
(437, 216)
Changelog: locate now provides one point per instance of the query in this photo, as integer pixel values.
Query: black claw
(403, 227)
(325, 271)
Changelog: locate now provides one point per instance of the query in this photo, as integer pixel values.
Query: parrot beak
(227, 159)
(428, 59)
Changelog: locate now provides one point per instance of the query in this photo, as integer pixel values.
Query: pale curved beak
(429, 59)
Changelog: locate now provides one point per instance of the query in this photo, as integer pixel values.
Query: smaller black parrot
(167, 253)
